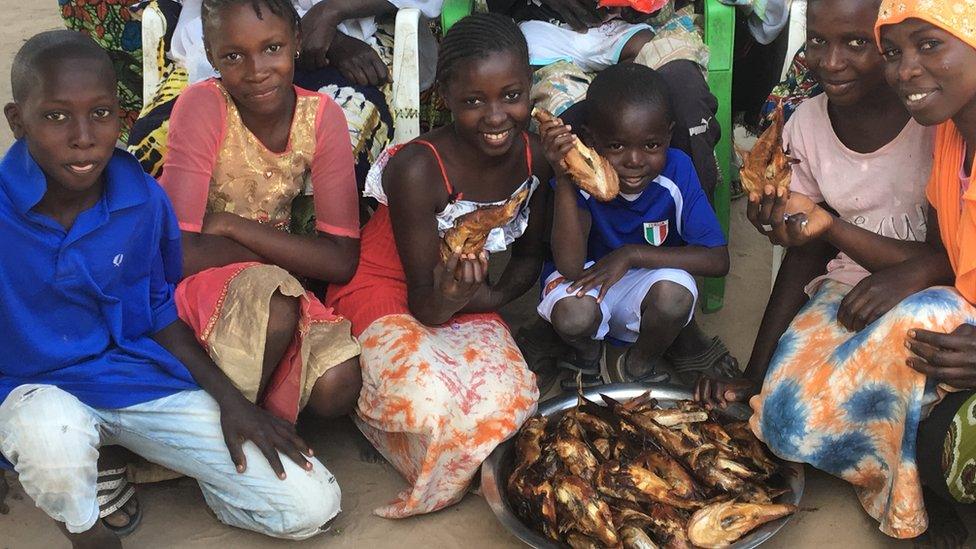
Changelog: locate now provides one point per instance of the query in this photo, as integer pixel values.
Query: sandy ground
(176, 515)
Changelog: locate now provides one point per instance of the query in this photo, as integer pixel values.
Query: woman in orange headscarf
(930, 51)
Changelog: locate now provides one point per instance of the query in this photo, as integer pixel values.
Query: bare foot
(125, 516)
(946, 527)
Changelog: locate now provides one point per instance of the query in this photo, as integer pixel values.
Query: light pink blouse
(215, 163)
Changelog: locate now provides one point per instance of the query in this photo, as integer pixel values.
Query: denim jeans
(52, 440)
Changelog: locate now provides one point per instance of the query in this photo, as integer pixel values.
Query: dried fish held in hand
(767, 163)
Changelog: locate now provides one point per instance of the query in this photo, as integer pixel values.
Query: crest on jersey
(656, 232)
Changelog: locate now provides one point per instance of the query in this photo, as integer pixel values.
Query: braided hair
(478, 36)
(210, 10)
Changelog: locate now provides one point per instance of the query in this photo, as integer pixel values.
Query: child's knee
(576, 317)
(52, 440)
(669, 301)
(283, 314)
(308, 501)
(46, 423)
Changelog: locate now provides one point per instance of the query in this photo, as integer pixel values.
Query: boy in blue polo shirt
(93, 351)
(625, 269)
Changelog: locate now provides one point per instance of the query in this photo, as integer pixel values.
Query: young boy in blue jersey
(625, 269)
(93, 351)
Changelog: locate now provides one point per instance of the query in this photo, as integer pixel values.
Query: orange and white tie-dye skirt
(437, 400)
(847, 403)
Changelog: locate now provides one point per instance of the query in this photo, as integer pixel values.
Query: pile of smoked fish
(636, 475)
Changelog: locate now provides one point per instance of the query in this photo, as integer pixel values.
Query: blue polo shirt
(78, 307)
(672, 211)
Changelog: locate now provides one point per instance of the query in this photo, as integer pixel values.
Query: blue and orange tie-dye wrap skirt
(847, 403)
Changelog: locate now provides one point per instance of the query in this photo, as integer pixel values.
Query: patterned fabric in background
(366, 108)
(560, 85)
(800, 84)
(960, 454)
(147, 139)
(848, 404)
(114, 25)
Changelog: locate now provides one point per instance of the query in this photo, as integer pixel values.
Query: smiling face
(255, 57)
(841, 51)
(932, 71)
(489, 98)
(635, 140)
(70, 121)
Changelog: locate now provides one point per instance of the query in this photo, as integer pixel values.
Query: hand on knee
(311, 500)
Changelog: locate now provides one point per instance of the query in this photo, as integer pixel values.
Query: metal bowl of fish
(639, 466)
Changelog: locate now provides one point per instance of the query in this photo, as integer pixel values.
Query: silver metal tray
(498, 466)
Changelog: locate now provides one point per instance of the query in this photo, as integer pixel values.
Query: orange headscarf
(957, 210)
(955, 16)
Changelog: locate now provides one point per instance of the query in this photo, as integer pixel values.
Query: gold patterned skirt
(228, 310)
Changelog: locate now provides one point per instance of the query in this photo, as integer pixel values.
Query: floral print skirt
(437, 400)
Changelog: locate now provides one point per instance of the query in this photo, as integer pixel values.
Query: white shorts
(591, 50)
(621, 307)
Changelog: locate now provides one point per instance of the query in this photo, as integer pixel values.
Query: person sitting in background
(345, 54)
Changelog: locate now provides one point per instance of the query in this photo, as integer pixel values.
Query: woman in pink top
(245, 151)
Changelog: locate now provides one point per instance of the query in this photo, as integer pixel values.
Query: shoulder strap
(528, 151)
(452, 194)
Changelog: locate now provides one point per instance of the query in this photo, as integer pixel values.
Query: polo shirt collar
(25, 183)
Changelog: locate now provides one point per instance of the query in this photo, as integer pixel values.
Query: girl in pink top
(246, 150)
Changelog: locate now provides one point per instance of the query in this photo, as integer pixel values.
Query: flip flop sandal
(571, 361)
(715, 361)
(619, 373)
(571, 385)
(114, 492)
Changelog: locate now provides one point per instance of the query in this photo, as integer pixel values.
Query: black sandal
(620, 373)
(573, 383)
(114, 492)
(716, 361)
(570, 360)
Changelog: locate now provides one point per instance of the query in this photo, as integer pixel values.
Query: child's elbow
(720, 261)
(424, 314)
(339, 264)
(568, 269)
(345, 272)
